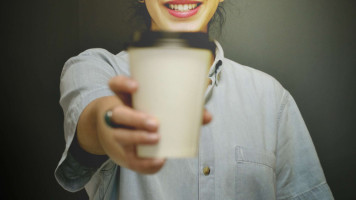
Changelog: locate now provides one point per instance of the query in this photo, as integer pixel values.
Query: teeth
(182, 7)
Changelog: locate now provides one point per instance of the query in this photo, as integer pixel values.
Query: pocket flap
(243, 154)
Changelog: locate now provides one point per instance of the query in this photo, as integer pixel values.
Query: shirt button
(206, 171)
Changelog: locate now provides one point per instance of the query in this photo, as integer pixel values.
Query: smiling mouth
(182, 7)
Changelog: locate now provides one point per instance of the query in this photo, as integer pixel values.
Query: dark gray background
(308, 45)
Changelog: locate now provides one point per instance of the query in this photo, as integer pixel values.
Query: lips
(182, 9)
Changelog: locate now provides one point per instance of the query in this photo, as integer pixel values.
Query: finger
(142, 165)
(127, 116)
(150, 166)
(123, 84)
(146, 165)
(207, 117)
(133, 137)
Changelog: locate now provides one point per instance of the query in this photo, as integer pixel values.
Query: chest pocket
(255, 174)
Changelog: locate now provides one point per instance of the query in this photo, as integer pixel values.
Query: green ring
(109, 122)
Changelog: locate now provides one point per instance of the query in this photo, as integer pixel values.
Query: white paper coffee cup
(172, 77)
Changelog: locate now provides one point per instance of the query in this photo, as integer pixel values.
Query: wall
(39, 36)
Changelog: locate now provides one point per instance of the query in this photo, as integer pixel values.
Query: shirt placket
(206, 148)
(206, 165)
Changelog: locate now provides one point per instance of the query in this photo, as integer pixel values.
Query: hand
(135, 128)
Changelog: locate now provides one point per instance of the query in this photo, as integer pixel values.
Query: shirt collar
(215, 69)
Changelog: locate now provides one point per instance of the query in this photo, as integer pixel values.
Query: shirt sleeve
(84, 78)
(299, 175)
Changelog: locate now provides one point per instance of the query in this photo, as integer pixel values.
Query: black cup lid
(174, 39)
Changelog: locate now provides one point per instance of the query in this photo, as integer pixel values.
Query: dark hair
(214, 26)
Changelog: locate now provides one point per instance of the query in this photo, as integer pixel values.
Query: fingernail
(151, 123)
(158, 161)
(152, 136)
(131, 84)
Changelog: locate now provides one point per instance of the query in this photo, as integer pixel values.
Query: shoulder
(100, 58)
(252, 81)
(247, 73)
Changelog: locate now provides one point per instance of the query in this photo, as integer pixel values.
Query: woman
(257, 146)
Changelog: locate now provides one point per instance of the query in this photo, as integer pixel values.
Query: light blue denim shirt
(256, 147)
